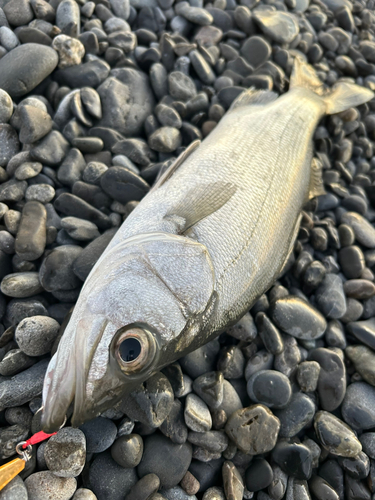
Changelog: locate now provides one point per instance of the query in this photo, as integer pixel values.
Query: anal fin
(316, 187)
(199, 203)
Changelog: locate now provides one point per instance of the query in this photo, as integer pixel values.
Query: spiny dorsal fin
(175, 165)
(253, 97)
(199, 203)
(316, 187)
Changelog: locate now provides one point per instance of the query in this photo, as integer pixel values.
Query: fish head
(133, 316)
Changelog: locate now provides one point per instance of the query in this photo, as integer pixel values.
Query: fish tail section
(343, 95)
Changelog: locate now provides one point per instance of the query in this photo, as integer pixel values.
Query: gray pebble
(100, 434)
(56, 271)
(23, 386)
(16, 76)
(308, 375)
(36, 335)
(169, 461)
(297, 415)
(270, 388)
(31, 236)
(363, 230)
(280, 26)
(261, 360)
(212, 441)
(15, 490)
(80, 229)
(65, 453)
(10, 437)
(40, 192)
(165, 139)
(364, 331)
(210, 387)
(180, 86)
(232, 482)
(363, 360)
(45, 486)
(244, 329)
(84, 493)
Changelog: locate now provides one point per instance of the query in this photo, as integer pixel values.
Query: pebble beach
(96, 99)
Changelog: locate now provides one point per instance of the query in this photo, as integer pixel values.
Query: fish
(209, 238)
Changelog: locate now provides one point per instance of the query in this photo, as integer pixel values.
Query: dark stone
(336, 436)
(295, 459)
(100, 434)
(31, 235)
(123, 185)
(70, 204)
(87, 259)
(89, 74)
(127, 450)
(56, 271)
(297, 415)
(259, 475)
(270, 388)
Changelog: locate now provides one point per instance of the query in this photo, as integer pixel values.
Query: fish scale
(210, 237)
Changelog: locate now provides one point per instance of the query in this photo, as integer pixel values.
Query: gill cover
(157, 282)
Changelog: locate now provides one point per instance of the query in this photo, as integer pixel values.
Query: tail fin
(343, 95)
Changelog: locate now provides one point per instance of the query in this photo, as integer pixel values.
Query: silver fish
(209, 238)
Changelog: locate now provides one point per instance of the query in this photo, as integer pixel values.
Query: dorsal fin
(175, 165)
(253, 97)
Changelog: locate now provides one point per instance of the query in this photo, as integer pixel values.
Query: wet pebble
(336, 436)
(254, 429)
(297, 415)
(21, 285)
(100, 433)
(298, 318)
(270, 388)
(294, 458)
(363, 230)
(259, 475)
(330, 297)
(197, 415)
(308, 375)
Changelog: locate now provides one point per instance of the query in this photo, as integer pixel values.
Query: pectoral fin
(316, 187)
(199, 203)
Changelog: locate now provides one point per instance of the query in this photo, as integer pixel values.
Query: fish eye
(134, 349)
(129, 349)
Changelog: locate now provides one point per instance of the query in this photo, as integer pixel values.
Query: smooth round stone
(321, 489)
(294, 458)
(31, 235)
(259, 475)
(127, 450)
(51, 150)
(6, 106)
(100, 434)
(254, 429)
(335, 436)
(23, 68)
(144, 488)
(151, 402)
(332, 377)
(331, 472)
(202, 68)
(68, 17)
(231, 362)
(352, 261)
(330, 297)
(28, 170)
(46, 486)
(18, 12)
(363, 230)
(256, 51)
(244, 329)
(308, 375)
(181, 86)
(212, 441)
(35, 124)
(297, 317)
(123, 185)
(359, 289)
(9, 146)
(261, 360)
(270, 388)
(363, 360)
(357, 467)
(232, 481)
(277, 488)
(80, 229)
(70, 204)
(93, 171)
(165, 139)
(210, 387)
(56, 272)
(169, 461)
(281, 27)
(364, 331)
(84, 494)
(168, 116)
(197, 15)
(118, 480)
(358, 408)
(202, 360)
(14, 490)
(368, 443)
(297, 415)
(21, 285)
(40, 192)
(36, 335)
(197, 415)
(65, 453)
(176, 493)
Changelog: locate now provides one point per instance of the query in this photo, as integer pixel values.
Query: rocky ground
(95, 98)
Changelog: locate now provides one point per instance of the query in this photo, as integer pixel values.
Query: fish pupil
(130, 349)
